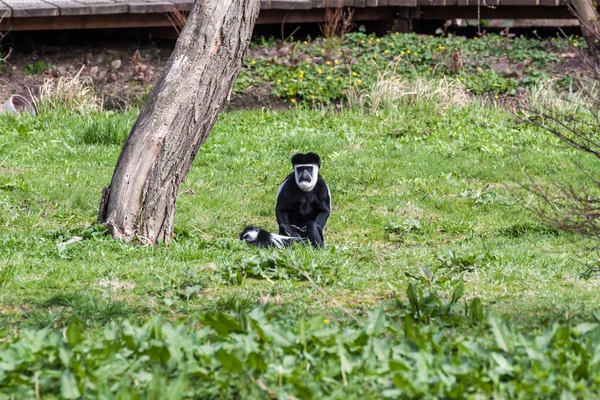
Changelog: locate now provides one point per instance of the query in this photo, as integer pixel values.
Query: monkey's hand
(315, 234)
(285, 229)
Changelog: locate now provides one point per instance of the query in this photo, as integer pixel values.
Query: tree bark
(188, 97)
(586, 12)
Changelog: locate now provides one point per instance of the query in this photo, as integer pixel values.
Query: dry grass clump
(391, 90)
(71, 93)
(546, 97)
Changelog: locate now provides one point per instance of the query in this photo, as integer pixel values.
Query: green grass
(420, 196)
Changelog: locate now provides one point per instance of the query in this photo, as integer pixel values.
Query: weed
(67, 94)
(37, 68)
(105, 128)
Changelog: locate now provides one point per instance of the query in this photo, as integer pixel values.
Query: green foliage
(254, 356)
(37, 68)
(274, 265)
(304, 71)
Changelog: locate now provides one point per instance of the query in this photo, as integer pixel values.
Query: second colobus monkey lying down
(303, 207)
(261, 238)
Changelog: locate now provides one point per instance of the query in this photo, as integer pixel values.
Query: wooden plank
(291, 4)
(5, 11)
(265, 4)
(371, 3)
(101, 7)
(360, 3)
(150, 6)
(70, 7)
(31, 8)
(183, 5)
(331, 3)
(403, 3)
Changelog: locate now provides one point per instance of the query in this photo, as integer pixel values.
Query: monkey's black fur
(261, 238)
(304, 202)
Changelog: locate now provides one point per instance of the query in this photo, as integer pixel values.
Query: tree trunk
(587, 14)
(188, 97)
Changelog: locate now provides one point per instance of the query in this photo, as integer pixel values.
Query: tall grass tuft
(391, 90)
(106, 128)
(72, 94)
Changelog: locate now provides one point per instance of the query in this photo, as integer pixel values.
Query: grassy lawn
(422, 195)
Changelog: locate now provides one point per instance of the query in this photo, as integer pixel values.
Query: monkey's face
(250, 234)
(306, 176)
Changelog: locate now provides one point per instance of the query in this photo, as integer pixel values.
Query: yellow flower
(396, 33)
(278, 80)
(307, 59)
(442, 48)
(462, 79)
(416, 53)
(496, 96)
(336, 62)
(576, 36)
(323, 51)
(312, 96)
(378, 40)
(479, 69)
(575, 44)
(319, 71)
(291, 91)
(253, 62)
(428, 71)
(326, 320)
(362, 41)
(293, 100)
(328, 77)
(371, 39)
(475, 38)
(328, 63)
(402, 53)
(386, 51)
(332, 69)
(374, 55)
(320, 88)
(407, 51)
(359, 81)
(305, 42)
(354, 74)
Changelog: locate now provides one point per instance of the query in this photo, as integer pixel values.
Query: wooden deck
(93, 14)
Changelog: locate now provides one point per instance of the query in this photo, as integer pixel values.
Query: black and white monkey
(303, 207)
(261, 238)
(304, 201)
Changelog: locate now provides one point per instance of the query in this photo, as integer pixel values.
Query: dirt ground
(121, 73)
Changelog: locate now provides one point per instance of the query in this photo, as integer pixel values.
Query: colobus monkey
(303, 201)
(261, 238)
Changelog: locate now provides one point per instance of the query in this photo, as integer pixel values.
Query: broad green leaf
(68, 386)
(411, 293)
(223, 324)
(375, 323)
(458, 292)
(229, 361)
(74, 331)
(500, 333)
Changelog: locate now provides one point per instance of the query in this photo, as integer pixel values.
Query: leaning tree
(183, 107)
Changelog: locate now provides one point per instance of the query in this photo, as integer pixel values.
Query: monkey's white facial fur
(306, 176)
(251, 235)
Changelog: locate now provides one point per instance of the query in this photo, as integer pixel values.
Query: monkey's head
(250, 234)
(306, 170)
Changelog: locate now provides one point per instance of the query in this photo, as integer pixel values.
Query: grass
(423, 196)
